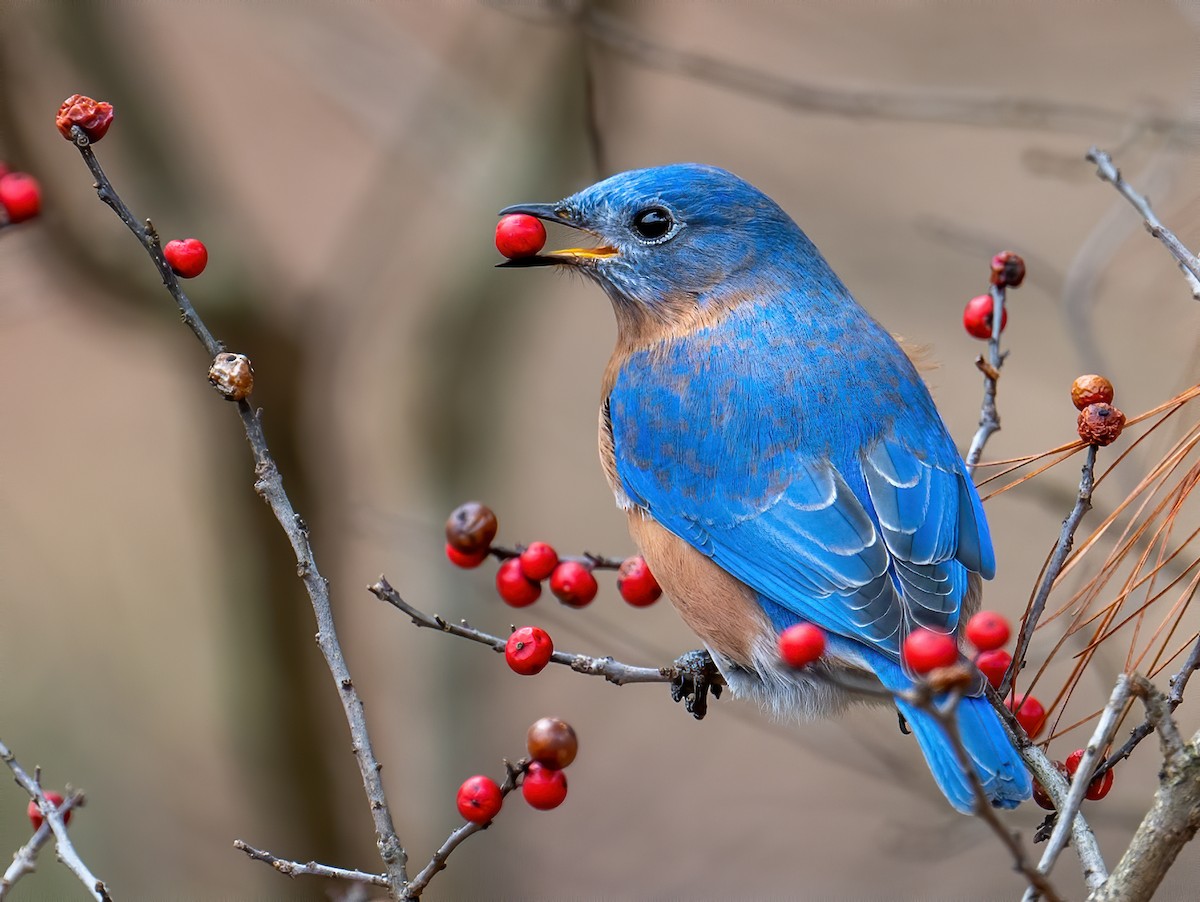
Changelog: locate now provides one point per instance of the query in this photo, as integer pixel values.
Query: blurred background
(343, 162)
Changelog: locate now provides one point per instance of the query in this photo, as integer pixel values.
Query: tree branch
(309, 869)
(53, 818)
(1188, 263)
(269, 485)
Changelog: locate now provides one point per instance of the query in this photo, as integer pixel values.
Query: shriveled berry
(528, 650)
(988, 630)
(92, 116)
(544, 788)
(552, 743)
(520, 235)
(801, 644)
(1091, 389)
(466, 561)
(1008, 269)
(514, 586)
(20, 196)
(1041, 796)
(479, 799)
(187, 257)
(1100, 424)
(232, 376)
(573, 584)
(35, 813)
(471, 527)
(636, 583)
(538, 560)
(993, 664)
(924, 650)
(977, 316)
(1029, 713)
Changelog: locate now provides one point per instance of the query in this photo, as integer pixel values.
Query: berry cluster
(552, 746)
(1099, 422)
(1097, 789)
(471, 530)
(20, 196)
(1008, 271)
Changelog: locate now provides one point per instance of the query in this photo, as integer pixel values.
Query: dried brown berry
(552, 743)
(1100, 424)
(1091, 389)
(471, 527)
(92, 116)
(1008, 269)
(232, 376)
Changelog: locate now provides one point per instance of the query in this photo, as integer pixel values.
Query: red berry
(987, 630)
(1040, 795)
(993, 664)
(636, 583)
(801, 644)
(573, 584)
(544, 788)
(479, 799)
(528, 650)
(20, 196)
(1029, 713)
(924, 650)
(1091, 389)
(35, 813)
(514, 587)
(538, 560)
(1100, 786)
(92, 116)
(520, 235)
(186, 257)
(466, 561)
(977, 317)
(552, 743)
(1008, 269)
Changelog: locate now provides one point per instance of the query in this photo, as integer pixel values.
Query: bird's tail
(1001, 771)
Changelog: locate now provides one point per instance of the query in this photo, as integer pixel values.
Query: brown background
(343, 162)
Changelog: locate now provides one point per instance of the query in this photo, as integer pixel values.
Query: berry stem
(989, 416)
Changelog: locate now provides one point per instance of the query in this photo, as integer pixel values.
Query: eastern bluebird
(777, 454)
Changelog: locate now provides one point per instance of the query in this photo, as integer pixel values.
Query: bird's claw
(695, 676)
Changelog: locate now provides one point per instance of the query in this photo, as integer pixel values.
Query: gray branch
(311, 868)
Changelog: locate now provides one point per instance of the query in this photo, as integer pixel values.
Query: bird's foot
(695, 676)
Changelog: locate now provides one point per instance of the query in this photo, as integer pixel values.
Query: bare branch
(53, 817)
(613, 671)
(1189, 264)
(310, 868)
(25, 858)
(1066, 540)
(269, 485)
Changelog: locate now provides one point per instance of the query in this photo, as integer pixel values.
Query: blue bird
(777, 454)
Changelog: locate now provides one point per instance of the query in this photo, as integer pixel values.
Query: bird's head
(670, 237)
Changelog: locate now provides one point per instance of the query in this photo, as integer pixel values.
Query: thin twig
(1066, 540)
(613, 671)
(438, 861)
(1178, 683)
(1084, 775)
(310, 868)
(269, 485)
(989, 416)
(25, 858)
(1189, 264)
(53, 816)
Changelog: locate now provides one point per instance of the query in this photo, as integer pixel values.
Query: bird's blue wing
(847, 508)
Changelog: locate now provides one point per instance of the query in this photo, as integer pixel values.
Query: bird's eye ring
(654, 224)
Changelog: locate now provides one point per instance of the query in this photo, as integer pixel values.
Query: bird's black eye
(653, 223)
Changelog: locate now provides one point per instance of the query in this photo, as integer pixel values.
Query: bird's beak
(571, 256)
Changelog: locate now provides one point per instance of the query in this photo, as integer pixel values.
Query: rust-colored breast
(719, 609)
